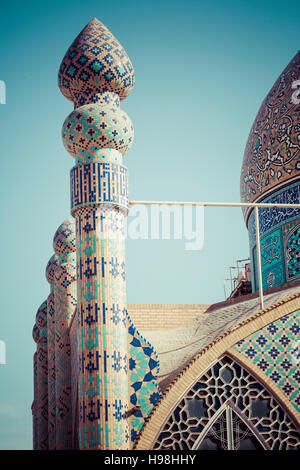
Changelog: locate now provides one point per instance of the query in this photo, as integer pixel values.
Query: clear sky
(202, 70)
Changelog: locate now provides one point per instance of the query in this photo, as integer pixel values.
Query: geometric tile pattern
(95, 62)
(272, 350)
(257, 420)
(272, 151)
(144, 392)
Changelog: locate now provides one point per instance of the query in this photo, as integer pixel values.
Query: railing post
(258, 257)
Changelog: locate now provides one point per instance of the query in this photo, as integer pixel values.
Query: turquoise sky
(202, 70)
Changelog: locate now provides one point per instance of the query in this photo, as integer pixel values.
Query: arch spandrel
(203, 360)
(273, 353)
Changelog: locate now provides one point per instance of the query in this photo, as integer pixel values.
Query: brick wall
(163, 316)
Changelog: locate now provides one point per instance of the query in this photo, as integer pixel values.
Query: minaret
(65, 297)
(96, 74)
(41, 398)
(50, 271)
(35, 406)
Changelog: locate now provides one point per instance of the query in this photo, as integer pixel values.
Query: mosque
(118, 376)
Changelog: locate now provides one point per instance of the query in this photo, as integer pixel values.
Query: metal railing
(255, 205)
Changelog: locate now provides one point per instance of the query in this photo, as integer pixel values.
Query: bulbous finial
(51, 268)
(94, 63)
(36, 334)
(64, 240)
(41, 316)
(41, 324)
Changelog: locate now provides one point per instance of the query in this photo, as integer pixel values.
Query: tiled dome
(271, 158)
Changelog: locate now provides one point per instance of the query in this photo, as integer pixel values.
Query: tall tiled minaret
(50, 271)
(96, 74)
(64, 245)
(40, 404)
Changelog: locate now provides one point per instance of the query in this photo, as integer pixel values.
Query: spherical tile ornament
(64, 240)
(51, 268)
(41, 316)
(91, 128)
(272, 154)
(95, 62)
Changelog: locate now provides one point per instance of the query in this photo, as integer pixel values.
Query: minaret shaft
(41, 379)
(102, 335)
(51, 369)
(65, 303)
(64, 288)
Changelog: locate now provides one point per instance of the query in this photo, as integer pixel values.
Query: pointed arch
(227, 388)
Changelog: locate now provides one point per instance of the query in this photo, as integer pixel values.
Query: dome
(95, 62)
(271, 158)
